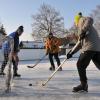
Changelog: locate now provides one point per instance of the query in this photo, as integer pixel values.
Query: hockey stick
(9, 73)
(37, 62)
(8, 77)
(43, 84)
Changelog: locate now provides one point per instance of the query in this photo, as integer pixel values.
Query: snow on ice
(58, 88)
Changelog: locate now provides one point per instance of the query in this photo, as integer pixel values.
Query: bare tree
(73, 29)
(47, 20)
(96, 16)
(2, 29)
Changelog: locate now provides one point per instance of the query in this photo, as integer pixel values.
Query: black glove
(69, 54)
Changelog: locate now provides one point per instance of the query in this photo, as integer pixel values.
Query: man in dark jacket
(15, 35)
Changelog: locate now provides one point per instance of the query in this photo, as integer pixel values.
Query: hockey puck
(43, 84)
(30, 84)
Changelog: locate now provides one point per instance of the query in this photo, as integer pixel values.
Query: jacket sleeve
(46, 45)
(12, 35)
(58, 41)
(76, 48)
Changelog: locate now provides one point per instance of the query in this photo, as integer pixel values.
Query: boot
(81, 88)
(2, 73)
(52, 68)
(60, 69)
(16, 75)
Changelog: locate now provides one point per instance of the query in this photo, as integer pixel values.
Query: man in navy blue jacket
(15, 35)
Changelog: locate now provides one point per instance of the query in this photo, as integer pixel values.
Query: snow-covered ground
(58, 88)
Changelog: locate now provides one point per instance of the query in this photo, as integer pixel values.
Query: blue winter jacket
(6, 46)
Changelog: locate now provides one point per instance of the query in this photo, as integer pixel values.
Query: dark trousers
(15, 66)
(4, 63)
(83, 62)
(55, 55)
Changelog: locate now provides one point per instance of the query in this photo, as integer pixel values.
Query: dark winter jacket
(15, 36)
(6, 46)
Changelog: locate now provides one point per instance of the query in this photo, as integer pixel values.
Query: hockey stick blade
(43, 84)
(30, 66)
(37, 62)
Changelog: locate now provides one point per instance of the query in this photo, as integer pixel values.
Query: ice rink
(58, 88)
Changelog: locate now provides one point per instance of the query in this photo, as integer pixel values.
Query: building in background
(32, 44)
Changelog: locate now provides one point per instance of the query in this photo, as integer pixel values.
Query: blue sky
(18, 12)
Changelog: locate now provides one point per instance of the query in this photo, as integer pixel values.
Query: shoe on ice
(52, 68)
(60, 69)
(80, 88)
(16, 75)
(2, 73)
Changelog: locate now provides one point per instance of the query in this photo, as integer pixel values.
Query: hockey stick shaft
(43, 84)
(9, 73)
(37, 62)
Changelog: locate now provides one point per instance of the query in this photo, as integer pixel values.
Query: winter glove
(69, 54)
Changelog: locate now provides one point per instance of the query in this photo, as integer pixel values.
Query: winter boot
(16, 75)
(60, 69)
(81, 88)
(2, 73)
(52, 68)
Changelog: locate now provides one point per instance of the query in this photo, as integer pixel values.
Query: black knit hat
(50, 33)
(21, 28)
(80, 13)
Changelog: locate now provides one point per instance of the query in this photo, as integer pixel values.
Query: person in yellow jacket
(52, 49)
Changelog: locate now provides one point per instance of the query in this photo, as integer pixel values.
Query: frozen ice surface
(58, 88)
